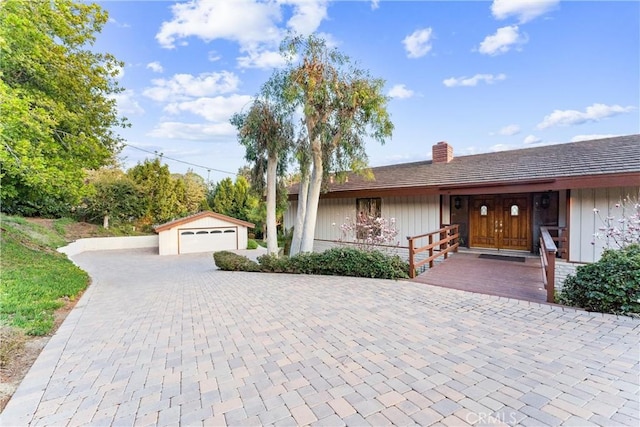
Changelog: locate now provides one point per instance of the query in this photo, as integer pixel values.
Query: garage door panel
(207, 240)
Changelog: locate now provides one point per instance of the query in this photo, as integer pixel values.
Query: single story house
(203, 232)
(500, 200)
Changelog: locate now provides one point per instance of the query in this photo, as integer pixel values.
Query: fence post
(430, 250)
(412, 268)
(551, 275)
(444, 245)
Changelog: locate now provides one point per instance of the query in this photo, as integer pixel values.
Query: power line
(208, 169)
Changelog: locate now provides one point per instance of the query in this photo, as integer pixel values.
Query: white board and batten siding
(202, 235)
(413, 215)
(584, 222)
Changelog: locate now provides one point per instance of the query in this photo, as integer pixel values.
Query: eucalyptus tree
(340, 106)
(58, 109)
(266, 132)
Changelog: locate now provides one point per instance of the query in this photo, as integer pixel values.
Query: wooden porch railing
(448, 242)
(548, 252)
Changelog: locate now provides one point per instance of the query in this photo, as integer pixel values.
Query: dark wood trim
(629, 179)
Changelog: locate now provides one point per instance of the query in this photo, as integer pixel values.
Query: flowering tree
(369, 232)
(621, 227)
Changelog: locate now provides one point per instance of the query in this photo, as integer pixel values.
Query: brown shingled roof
(618, 155)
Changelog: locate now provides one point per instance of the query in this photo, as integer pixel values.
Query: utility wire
(208, 169)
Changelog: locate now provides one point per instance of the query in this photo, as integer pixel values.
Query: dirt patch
(74, 230)
(12, 375)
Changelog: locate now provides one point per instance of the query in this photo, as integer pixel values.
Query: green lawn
(35, 280)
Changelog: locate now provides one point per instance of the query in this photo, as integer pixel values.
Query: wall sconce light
(457, 203)
(545, 201)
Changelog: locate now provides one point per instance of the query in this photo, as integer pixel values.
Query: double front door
(500, 222)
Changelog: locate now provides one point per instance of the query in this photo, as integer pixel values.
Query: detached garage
(203, 232)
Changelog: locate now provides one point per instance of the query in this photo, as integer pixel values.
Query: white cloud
(502, 41)
(184, 86)
(119, 24)
(213, 56)
(375, 4)
(217, 109)
(578, 138)
(400, 91)
(501, 147)
(155, 67)
(127, 103)
(531, 139)
(473, 81)
(524, 10)
(193, 131)
(510, 130)
(244, 21)
(307, 15)
(264, 59)
(418, 43)
(255, 25)
(594, 113)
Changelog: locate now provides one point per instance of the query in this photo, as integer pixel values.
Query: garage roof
(205, 214)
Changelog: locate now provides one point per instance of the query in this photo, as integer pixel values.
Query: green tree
(159, 189)
(113, 197)
(266, 132)
(341, 107)
(190, 192)
(223, 197)
(58, 112)
(244, 200)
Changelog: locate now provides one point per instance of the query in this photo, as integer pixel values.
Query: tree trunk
(272, 233)
(296, 241)
(105, 222)
(313, 197)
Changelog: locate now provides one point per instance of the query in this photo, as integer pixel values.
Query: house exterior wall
(168, 239)
(583, 222)
(413, 215)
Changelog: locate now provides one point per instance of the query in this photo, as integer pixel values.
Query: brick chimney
(442, 152)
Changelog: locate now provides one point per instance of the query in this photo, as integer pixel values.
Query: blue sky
(482, 75)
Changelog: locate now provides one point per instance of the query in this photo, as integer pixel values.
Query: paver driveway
(172, 341)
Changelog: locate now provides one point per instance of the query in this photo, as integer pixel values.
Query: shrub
(252, 244)
(339, 262)
(361, 263)
(270, 263)
(229, 261)
(611, 285)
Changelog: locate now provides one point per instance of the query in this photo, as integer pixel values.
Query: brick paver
(171, 340)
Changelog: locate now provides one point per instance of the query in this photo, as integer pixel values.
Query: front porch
(520, 278)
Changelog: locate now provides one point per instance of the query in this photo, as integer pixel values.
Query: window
(483, 210)
(515, 210)
(187, 233)
(367, 210)
(202, 232)
(229, 231)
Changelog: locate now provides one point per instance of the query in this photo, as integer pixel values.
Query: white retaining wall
(109, 243)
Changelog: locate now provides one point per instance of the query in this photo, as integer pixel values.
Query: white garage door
(208, 239)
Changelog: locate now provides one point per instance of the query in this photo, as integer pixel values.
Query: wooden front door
(500, 222)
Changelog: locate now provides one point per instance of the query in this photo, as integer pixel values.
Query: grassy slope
(35, 280)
